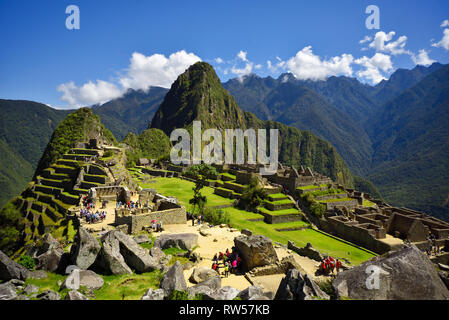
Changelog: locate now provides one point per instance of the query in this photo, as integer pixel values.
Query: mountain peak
(198, 94)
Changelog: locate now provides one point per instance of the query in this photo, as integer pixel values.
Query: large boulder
(185, 241)
(11, 270)
(405, 274)
(48, 295)
(85, 250)
(173, 279)
(152, 294)
(48, 243)
(225, 293)
(157, 253)
(86, 278)
(30, 289)
(295, 286)
(142, 238)
(206, 288)
(201, 274)
(251, 293)
(110, 257)
(75, 295)
(256, 251)
(135, 256)
(8, 291)
(53, 260)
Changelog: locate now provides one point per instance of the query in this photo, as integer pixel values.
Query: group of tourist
(191, 216)
(432, 248)
(229, 261)
(156, 226)
(329, 264)
(93, 217)
(129, 205)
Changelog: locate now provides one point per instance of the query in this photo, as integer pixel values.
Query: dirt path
(221, 239)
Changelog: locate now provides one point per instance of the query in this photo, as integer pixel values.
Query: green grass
(233, 177)
(278, 202)
(50, 283)
(182, 189)
(276, 196)
(310, 187)
(128, 287)
(279, 212)
(367, 203)
(173, 251)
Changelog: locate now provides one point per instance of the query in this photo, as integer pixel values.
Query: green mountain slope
(411, 158)
(25, 129)
(291, 102)
(132, 112)
(79, 126)
(198, 95)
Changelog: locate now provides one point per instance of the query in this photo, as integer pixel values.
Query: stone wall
(308, 251)
(350, 204)
(275, 219)
(358, 235)
(137, 222)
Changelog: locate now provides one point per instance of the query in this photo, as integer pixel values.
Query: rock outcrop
(135, 256)
(201, 274)
(152, 294)
(75, 295)
(48, 295)
(53, 260)
(185, 241)
(295, 286)
(87, 278)
(10, 269)
(85, 250)
(173, 279)
(405, 274)
(110, 258)
(256, 251)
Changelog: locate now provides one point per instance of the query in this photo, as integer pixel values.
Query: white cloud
(156, 70)
(275, 67)
(366, 39)
(306, 65)
(242, 56)
(258, 66)
(422, 58)
(444, 42)
(219, 60)
(89, 93)
(142, 73)
(242, 71)
(381, 43)
(373, 66)
(445, 23)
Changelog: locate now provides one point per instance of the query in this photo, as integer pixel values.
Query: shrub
(215, 216)
(317, 209)
(326, 286)
(108, 153)
(27, 262)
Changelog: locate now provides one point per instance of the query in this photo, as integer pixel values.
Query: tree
(200, 172)
(253, 195)
(10, 224)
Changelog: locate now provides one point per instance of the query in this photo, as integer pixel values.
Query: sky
(136, 44)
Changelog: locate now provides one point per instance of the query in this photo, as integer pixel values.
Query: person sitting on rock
(338, 265)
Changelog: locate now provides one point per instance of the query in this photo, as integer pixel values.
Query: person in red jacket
(338, 265)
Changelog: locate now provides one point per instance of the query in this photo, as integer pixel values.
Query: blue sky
(116, 45)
